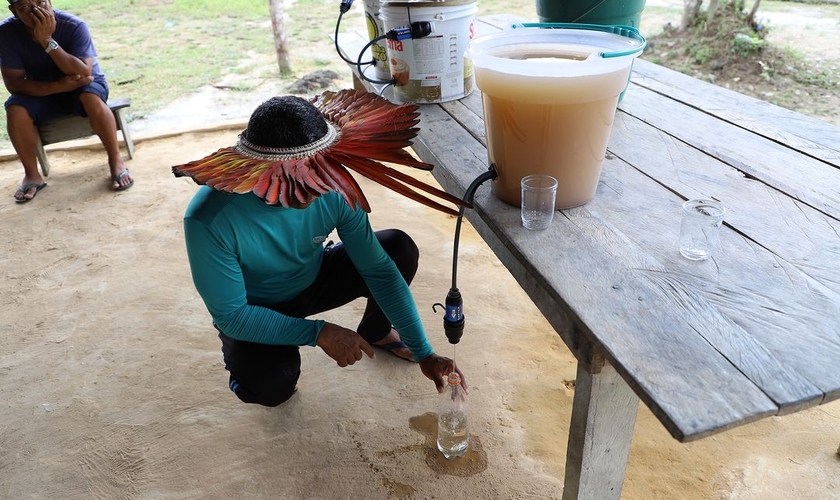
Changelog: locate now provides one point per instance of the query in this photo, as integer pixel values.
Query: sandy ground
(113, 385)
(114, 388)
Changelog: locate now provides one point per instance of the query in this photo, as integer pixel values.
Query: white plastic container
(375, 28)
(430, 69)
(549, 99)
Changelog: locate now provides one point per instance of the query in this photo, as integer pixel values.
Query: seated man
(255, 235)
(50, 69)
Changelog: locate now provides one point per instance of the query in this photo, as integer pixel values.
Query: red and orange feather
(372, 129)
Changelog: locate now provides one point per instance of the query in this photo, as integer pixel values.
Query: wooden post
(603, 417)
(275, 9)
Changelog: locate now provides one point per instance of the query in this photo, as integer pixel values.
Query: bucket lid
(557, 49)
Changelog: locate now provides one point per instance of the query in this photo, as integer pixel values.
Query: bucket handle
(626, 31)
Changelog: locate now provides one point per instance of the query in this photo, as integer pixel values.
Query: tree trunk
(710, 16)
(751, 17)
(690, 10)
(275, 9)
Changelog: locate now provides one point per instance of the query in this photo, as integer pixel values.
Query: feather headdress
(363, 130)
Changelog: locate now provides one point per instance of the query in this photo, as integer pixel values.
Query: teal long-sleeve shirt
(245, 255)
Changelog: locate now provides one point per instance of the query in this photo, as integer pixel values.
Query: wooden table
(707, 346)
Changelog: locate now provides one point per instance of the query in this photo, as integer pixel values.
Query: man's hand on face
(43, 25)
(343, 345)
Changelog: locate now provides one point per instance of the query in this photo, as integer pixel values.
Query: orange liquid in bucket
(549, 125)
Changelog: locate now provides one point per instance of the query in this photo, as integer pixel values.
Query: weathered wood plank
(812, 181)
(789, 378)
(779, 280)
(797, 131)
(467, 117)
(746, 305)
(474, 104)
(794, 231)
(641, 333)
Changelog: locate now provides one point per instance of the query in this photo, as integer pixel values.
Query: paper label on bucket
(429, 70)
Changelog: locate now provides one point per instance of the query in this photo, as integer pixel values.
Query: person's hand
(437, 369)
(72, 82)
(43, 26)
(343, 345)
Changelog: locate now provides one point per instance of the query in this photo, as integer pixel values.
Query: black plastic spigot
(415, 30)
(453, 321)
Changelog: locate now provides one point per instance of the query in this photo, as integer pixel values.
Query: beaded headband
(265, 153)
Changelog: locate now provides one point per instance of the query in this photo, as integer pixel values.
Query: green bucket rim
(621, 30)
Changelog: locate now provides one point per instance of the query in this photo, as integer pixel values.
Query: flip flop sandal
(391, 346)
(117, 178)
(26, 187)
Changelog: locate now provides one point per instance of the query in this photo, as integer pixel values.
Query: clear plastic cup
(700, 228)
(538, 195)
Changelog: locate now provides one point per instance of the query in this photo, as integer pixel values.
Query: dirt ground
(113, 384)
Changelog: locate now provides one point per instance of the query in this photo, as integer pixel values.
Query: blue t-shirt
(245, 255)
(19, 51)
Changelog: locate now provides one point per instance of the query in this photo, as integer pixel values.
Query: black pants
(267, 374)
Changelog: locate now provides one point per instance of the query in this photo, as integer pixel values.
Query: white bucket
(431, 69)
(375, 28)
(549, 99)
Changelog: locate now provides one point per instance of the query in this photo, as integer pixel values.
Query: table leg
(42, 158)
(603, 417)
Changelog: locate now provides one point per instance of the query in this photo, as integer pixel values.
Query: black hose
(359, 63)
(453, 319)
(468, 197)
(338, 50)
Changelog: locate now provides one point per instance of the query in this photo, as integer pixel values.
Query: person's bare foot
(393, 344)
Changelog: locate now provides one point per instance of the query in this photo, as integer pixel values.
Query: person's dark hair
(285, 122)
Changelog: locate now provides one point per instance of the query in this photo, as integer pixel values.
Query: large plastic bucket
(607, 12)
(375, 28)
(430, 69)
(549, 99)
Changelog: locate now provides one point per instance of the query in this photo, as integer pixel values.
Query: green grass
(157, 51)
